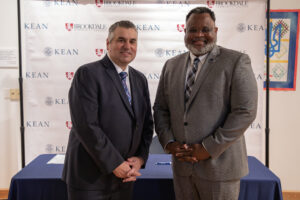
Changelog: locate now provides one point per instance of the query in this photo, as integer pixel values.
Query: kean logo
(35, 26)
(49, 3)
(49, 101)
(159, 52)
(241, 27)
(48, 51)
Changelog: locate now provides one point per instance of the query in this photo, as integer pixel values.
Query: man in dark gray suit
(112, 125)
(205, 101)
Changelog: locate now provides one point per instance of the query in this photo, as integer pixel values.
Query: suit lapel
(179, 81)
(111, 71)
(205, 70)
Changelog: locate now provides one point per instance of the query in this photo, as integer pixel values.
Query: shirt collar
(201, 58)
(118, 68)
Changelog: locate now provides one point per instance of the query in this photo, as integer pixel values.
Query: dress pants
(124, 193)
(194, 188)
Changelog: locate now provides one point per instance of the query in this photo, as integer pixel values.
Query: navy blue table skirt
(41, 181)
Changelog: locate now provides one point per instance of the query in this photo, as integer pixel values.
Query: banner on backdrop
(60, 36)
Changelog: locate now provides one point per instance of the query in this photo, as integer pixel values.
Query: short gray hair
(123, 24)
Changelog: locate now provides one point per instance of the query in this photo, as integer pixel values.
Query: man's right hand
(122, 170)
(182, 152)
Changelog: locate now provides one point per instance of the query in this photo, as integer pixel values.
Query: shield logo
(49, 101)
(49, 148)
(241, 27)
(99, 3)
(69, 75)
(99, 52)
(69, 124)
(210, 4)
(159, 52)
(69, 26)
(48, 51)
(180, 27)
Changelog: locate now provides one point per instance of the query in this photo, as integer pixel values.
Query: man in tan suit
(205, 101)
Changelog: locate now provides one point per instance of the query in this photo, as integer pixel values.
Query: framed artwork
(284, 37)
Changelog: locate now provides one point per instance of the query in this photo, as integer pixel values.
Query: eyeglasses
(205, 30)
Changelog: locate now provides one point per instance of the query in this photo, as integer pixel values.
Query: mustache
(125, 51)
(202, 39)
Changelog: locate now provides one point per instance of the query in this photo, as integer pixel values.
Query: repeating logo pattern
(85, 27)
(99, 52)
(38, 124)
(36, 26)
(60, 3)
(48, 51)
(69, 26)
(37, 75)
(180, 27)
(241, 27)
(176, 4)
(69, 124)
(160, 52)
(210, 4)
(49, 101)
(99, 3)
(73, 40)
(69, 75)
(114, 3)
(53, 148)
(226, 4)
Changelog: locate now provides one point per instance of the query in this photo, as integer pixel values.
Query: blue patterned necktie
(191, 79)
(123, 76)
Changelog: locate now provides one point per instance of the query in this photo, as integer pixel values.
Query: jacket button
(185, 123)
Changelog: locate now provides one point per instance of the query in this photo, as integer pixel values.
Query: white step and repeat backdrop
(60, 35)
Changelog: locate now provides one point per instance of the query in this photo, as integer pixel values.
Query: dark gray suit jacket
(106, 129)
(222, 105)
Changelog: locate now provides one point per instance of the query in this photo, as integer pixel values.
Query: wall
(284, 115)
(9, 110)
(284, 124)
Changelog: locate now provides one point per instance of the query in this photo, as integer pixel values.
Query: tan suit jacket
(222, 105)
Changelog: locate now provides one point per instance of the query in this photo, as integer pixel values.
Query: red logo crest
(69, 26)
(99, 52)
(210, 4)
(69, 75)
(99, 3)
(69, 124)
(180, 27)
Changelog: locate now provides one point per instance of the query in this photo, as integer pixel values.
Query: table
(39, 180)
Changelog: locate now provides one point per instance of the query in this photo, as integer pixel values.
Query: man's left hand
(199, 152)
(135, 164)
